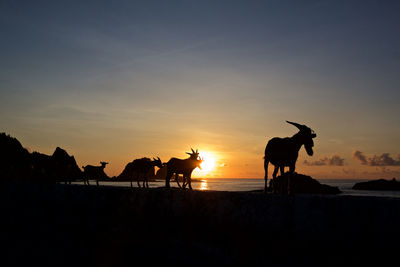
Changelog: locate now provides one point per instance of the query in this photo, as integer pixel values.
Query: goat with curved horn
(283, 152)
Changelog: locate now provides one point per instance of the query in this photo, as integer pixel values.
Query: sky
(118, 80)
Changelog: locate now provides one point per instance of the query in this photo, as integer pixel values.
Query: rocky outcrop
(303, 184)
(16, 163)
(379, 185)
(14, 159)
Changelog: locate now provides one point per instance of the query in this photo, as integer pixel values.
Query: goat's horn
(299, 126)
(197, 151)
(192, 150)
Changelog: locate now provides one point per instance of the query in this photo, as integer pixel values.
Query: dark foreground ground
(71, 225)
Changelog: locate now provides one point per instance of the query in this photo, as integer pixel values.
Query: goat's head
(194, 154)
(157, 162)
(103, 164)
(307, 135)
(198, 162)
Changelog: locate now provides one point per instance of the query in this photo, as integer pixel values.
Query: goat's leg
(167, 178)
(274, 189)
(131, 183)
(189, 180)
(177, 180)
(282, 169)
(138, 181)
(290, 178)
(97, 182)
(184, 181)
(266, 162)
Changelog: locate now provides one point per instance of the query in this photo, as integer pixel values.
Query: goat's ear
(189, 153)
(159, 158)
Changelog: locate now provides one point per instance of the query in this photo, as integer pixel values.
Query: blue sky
(116, 80)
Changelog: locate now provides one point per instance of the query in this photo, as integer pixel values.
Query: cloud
(358, 155)
(334, 160)
(376, 160)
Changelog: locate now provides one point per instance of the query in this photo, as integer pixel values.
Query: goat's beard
(309, 150)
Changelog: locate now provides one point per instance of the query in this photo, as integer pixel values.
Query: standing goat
(283, 152)
(142, 169)
(94, 172)
(184, 167)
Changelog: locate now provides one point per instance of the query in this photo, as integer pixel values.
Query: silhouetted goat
(184, 167)
(94, 172)
(282, 152)
(142, 169)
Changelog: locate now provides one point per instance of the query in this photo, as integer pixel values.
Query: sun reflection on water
(203, 185)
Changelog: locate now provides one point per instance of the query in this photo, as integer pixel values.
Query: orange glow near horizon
(209, 163)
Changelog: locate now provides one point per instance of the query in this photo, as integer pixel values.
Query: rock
(14, 159)
(380, 184)
(303, 184)
(16, 163)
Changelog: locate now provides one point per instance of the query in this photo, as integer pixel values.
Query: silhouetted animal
(184, 167)
(142, 169)
(282, 152)
(162, 174)
(94, 172)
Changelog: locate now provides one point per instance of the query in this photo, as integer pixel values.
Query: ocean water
(228, 184)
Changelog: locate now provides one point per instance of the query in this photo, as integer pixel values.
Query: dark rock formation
(127, 174)
(380, 185)
(303, 184)
(16, 163)
(14, 159)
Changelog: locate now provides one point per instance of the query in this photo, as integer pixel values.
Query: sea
(246, 184)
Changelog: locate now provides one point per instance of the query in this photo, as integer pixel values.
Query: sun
(209, 162)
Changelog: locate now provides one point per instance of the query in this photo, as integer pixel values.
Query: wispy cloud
(334, 160)
(376, 160)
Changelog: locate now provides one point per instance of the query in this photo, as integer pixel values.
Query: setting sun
(209, 162)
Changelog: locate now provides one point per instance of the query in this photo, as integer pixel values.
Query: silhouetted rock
(16, 163)
(126, 174)
(14, 159)
(381, 185)
(65, 165)
(303, 184)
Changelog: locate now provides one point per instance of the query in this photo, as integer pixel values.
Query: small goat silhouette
(94, 172)
(183, 166)
(142, 169)
(283, 152)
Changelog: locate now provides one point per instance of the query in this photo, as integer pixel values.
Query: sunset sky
(118, 80)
